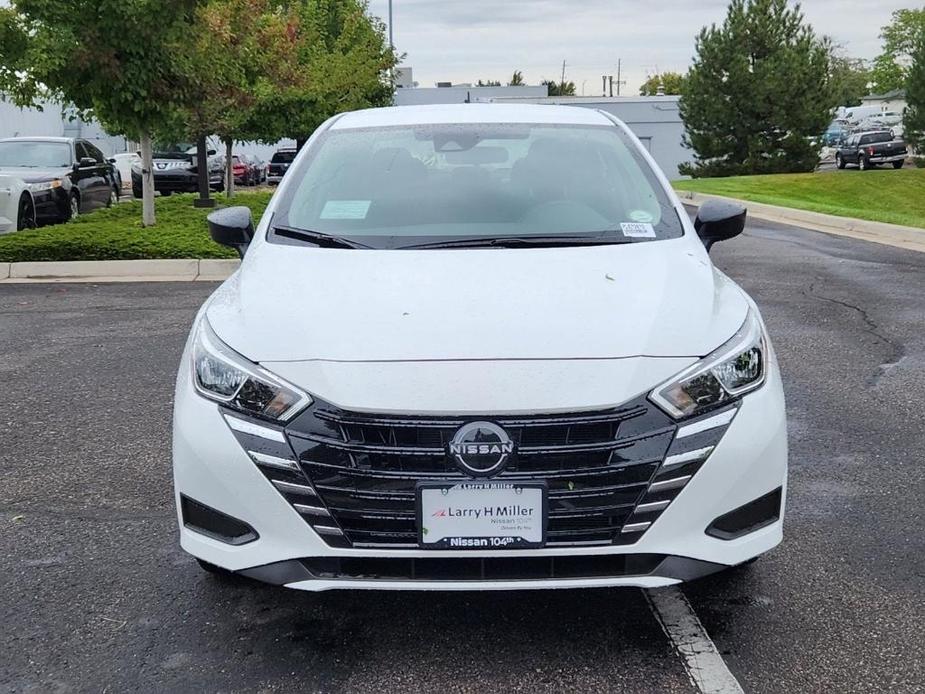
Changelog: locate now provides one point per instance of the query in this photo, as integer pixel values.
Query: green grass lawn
(116, 233)
(881, 195)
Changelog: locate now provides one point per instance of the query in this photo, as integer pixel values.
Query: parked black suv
(279, 164)
(67, 176)
(175, 170)
(870, 149)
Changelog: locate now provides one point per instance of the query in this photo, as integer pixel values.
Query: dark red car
(245, 173)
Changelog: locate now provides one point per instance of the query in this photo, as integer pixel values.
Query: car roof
(873, 132)
(38, 139)
(470, 113)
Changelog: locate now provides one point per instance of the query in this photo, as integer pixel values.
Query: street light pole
(391, 42)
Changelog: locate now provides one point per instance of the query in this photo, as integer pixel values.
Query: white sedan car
(478, 347)
(17, 209)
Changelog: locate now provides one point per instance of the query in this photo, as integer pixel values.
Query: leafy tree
(670, 83)
(488, 83)
(849, 78)
(914, 119)
(517, 79)
(759, 88)
(239, 50)
(899, 40)
(113, 58)
(345, 59)
(565, 88)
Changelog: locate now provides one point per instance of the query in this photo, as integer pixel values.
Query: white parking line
(703, 663)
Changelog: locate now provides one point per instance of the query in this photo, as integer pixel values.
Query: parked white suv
(477, 347)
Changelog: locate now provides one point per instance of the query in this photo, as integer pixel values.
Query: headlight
(45, 185)
(223, 375)
(736, 368)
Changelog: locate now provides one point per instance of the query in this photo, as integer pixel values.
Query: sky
(468, 40)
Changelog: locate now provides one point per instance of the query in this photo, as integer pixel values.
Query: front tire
(863, 163)
(25, 216)
(113, 197)
(73, 210)
(839, 162)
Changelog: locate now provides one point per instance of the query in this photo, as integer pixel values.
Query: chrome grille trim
(673, 483)
(687, 457)
(246, 427)
(635, 527)
(274, 461)
(328, 530)
(294, 488)
(312, 511)
(652, 506)
(719, 420)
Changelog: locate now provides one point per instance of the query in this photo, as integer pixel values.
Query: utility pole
(391, 42)
(562, 81)
(620, 81)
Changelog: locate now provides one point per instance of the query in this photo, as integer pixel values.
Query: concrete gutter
(910, 238)
(177, 270)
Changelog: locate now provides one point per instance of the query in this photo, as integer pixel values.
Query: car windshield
(408, 186)
(283, 158)
(34, 154)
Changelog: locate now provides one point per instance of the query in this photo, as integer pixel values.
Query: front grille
(597, 465)
(353, 477)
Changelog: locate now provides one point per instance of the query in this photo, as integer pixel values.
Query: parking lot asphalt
(96, 595)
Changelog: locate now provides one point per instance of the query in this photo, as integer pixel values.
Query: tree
(899, 40)
(239, 49)
(517, 79)
(668, 82)
(345, 60)
(914, 118)
(849, 78)
(564, 88)
(488, 83)
(111, 58)
(758, 90)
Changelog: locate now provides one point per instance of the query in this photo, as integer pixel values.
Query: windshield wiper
(523, 242)
(316, 238)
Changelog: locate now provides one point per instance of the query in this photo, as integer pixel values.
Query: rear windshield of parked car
(34, 154)
(399, 186)
(875, 138)
(283, 157)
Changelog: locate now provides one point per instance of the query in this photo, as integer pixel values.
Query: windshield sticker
(638, 230)
(642, 216)
(345, 209)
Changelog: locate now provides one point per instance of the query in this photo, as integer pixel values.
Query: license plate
(481, 515)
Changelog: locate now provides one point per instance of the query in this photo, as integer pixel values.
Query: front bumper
(178, 181)
(211, 467)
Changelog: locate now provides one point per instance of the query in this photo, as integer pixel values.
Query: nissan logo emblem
(481, 448)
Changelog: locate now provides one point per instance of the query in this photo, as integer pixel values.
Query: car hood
(657, 299)
(33, 175)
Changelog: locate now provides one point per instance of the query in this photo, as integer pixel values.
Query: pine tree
(914, 120)
(759, 88)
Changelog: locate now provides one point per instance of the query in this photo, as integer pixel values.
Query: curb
(909, 238)
(163, 270)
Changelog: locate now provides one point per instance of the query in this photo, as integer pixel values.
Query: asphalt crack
(897, 349)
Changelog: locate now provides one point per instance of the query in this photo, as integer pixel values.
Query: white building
(54, 120)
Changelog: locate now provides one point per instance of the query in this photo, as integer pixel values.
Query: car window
(283, 157)
(398, 186)
(34, 153)
(875, 138)
(80, 151)
(92, 151)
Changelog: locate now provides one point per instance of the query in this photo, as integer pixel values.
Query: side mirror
(233, 227)
(210, 152)
(718, 220)
(87, 162)
(111, 160)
